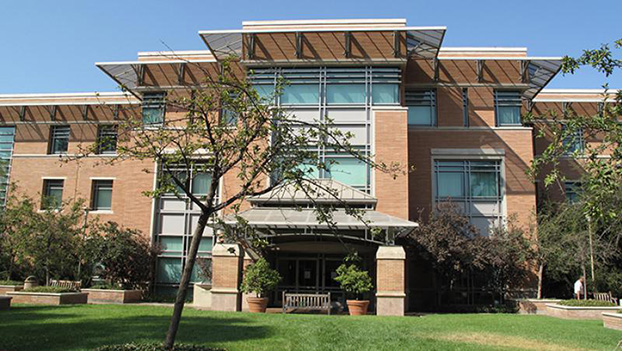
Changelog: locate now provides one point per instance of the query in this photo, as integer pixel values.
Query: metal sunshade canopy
(422, 42)
(541, 70)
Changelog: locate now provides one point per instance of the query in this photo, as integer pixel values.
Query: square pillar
(390, 281)
(226, 274)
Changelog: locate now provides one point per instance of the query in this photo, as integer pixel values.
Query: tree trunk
(585, 281)
(182, 292)
(540, 278)
(590, 235)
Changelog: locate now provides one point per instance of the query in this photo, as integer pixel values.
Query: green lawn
(87, 326)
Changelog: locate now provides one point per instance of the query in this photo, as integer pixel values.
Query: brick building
(452, 113)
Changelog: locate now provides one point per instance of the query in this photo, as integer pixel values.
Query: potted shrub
(259, 279)
(355, 282)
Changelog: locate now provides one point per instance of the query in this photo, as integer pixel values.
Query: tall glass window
(7, 139)
(421, 107)
(52, 194)
(154, 107)
(107, 139)
(59, 139)
(475, 186)
(101, 198)
(508, 107)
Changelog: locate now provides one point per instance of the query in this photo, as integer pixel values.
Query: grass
(86, 327)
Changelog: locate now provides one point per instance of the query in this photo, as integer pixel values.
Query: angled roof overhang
(417, 42)
(166, 73)
(536, 72)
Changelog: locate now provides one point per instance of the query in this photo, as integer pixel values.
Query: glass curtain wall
(176, 219)
(344, 95)
(7, 139)
(474, 186)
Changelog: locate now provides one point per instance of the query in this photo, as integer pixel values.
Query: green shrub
(587, 303)
(259, 278)
(104, 286)
(11, 282)
(155, 347)
(49, 289)
(353, 280)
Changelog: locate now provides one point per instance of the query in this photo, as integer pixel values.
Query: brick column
(390, 281)
(226, 273)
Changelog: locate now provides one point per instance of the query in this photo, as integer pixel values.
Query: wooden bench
(306, 301)
(605, 297)
(69, 284)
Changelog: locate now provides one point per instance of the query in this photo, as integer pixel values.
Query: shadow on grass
(60, 331)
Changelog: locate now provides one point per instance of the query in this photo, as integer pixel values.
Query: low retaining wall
(68, 298)
(7, 288)
(5, 303)
(612, 320)
(113, 296)
(534, 306)
(578, 312)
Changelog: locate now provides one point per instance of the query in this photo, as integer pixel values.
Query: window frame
(503, 100)
(56, 132)
(48, 184)
(96, 186)
(100, 135)
(421, 96)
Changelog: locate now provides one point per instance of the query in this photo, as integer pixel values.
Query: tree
(224, 129)
(597, 220)
(259, 278)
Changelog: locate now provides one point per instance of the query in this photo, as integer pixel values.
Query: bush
(49, 289)
(587, 303)
(11, 282)
(125, 256)
(353, 280)
(155, 347)
(259, 278)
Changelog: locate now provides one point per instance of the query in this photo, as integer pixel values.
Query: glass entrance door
(308, 275)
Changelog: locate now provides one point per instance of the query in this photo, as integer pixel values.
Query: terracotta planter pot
(358, 307)
(257, 304)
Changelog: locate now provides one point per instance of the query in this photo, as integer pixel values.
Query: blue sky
(51, 46)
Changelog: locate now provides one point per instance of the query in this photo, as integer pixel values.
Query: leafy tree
(596, 221)
(226, 130)
(126, 256)
(259, 278)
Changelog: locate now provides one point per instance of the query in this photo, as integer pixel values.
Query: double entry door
(308, 274)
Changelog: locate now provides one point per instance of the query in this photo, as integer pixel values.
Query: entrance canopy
(283, 213)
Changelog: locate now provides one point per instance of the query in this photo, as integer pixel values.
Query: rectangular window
(107, 139)
(59, 139)
(474, 186)
(574, 143)
(421, 107)
(301, 94)
(508, 107)
(385, 94)
(573, 191)
(465, 107)
(154, 107)
(7, 139)
(348, 170)
(102, 195)
(345, 94)
(52, 194)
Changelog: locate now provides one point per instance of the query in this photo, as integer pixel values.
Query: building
(453, 113)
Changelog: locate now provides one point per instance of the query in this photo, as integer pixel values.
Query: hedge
(587, 303)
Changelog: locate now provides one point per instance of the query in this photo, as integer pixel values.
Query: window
(465, 107)
(229, 116)
(154, 107)
(386, 94)
(7, 139)
(59, 139)
(346, 94)
(301, 94)
(475, 186)
(573, 191)
(421, 107)
(101, 199)
(573, 143)
(107, 139)
(52, 194)
(348, 170)
(508, 107)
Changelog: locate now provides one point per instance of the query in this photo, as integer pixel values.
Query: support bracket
(480, 70)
